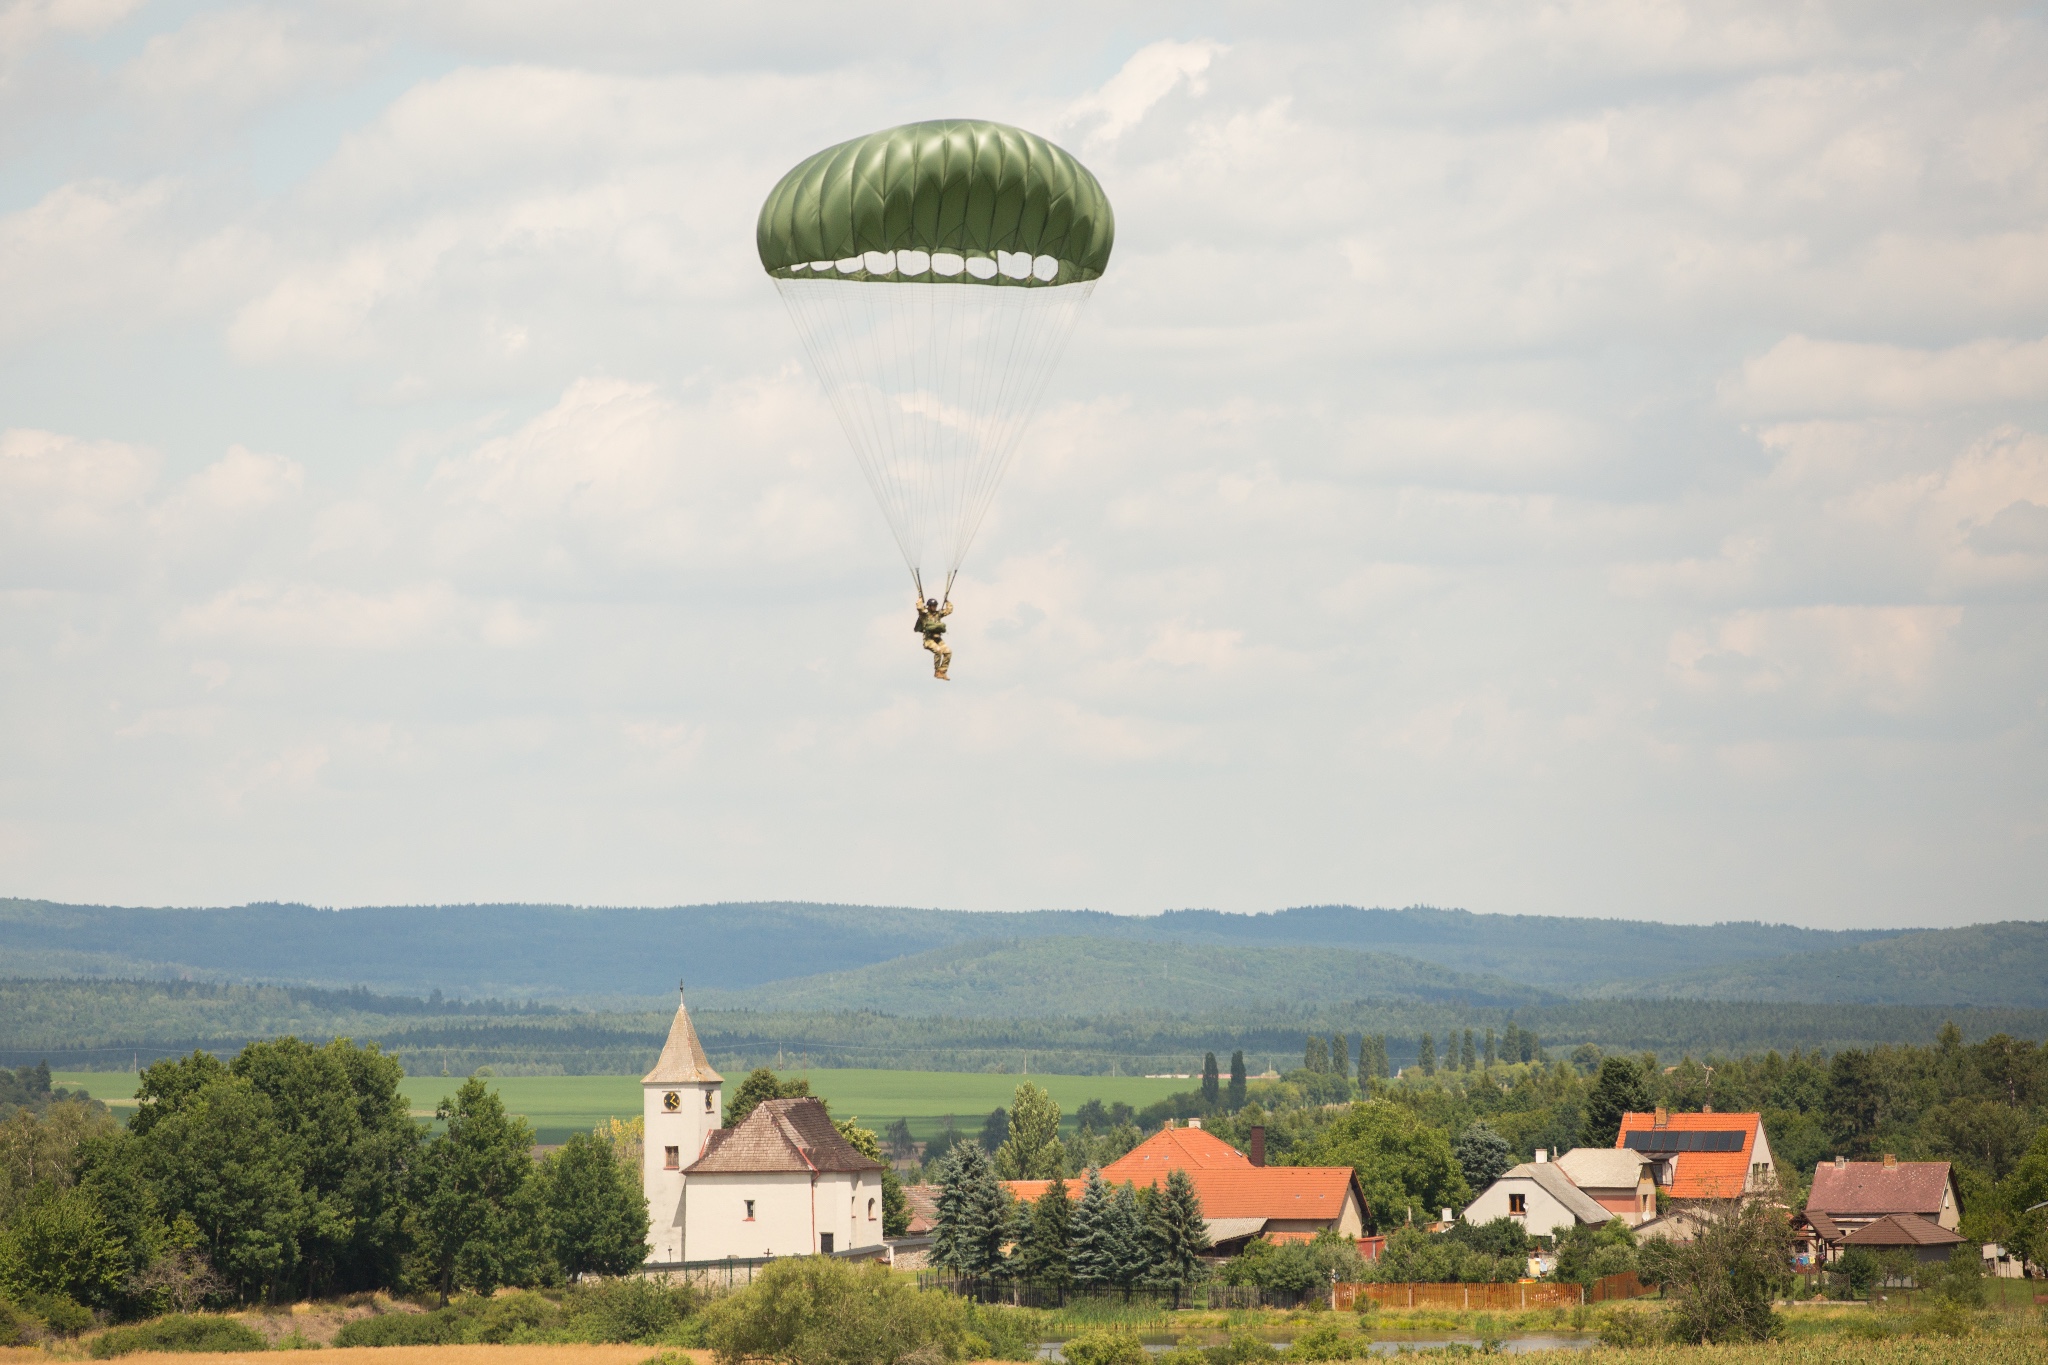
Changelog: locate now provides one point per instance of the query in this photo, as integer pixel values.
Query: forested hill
(565, 952)
(1988, 964)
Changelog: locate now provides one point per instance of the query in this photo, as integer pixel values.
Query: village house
(1702, 1156)
(1242, 1197)
(1851, 1196)
(1542, 1197)
(1622, 1181)
(783, 1182)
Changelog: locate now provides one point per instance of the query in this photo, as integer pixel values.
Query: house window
(871, 1210)
(672, 1157)
(825, 1243)
(750, 1209)
(1518, 1205)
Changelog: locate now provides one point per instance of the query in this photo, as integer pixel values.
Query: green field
(559, 1105)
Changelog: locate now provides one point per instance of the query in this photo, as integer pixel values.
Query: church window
(825, 1243)
(710, 1100)
(674, 1157)
(871, 1210)
(750, 1209)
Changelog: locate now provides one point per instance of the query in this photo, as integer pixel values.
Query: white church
(782, 1183)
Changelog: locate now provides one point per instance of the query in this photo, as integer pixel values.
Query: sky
(1562, 458)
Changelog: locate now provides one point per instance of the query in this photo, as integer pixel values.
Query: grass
(557, 1106)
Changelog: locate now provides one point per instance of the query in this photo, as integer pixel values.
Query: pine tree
(1091, 1257)
(1315, 1054)
(1178, 1234)
(1237, 1079)
(1129, 1247)
(1426, 1058)
(1044, 1236)
(1491, 1055)
(973, 1221)
(1467, 1057)
(1212, 1082)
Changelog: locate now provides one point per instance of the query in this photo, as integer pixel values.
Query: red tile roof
(924, 1209)
(1902, 1230)
(1703, 1175)
(781, 1135)
(1861, 1188)
(1224, 1178)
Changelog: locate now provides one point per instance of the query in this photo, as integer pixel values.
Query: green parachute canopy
(950, 201)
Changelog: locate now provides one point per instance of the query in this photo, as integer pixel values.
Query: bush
(810, 1310)
(1181, 1355)
(14, 1328)
(179, 1332)
(402, 1329)
(1103, 1346)
(1327, 1341)
(1243, 1348)
(60, 1314)
(631, 1308)
(1632, 1327)
(1003, 1333)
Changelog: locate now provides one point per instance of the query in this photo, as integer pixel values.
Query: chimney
(1661, 1119)
(1891, 1161)
(1841, 1163)
(1448, 1218)
(1706, 1109)
(1195, 1124)
(1258, 1144)
(1542, 1155)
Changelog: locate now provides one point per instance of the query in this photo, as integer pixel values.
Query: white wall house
(1540, 1197)
(781, 1183)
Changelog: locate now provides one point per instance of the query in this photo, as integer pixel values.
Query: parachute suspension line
(934, 385)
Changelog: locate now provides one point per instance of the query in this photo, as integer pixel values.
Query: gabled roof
(1861, 1188)
(1696, 1174)
(1175, 1149)
(924, 1209)
(1902, 1230)
(1603, 1168)
(682, 1060)
(781, 1135)
(1559, 1186)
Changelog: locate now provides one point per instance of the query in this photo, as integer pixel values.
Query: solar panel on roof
(1689, 1140)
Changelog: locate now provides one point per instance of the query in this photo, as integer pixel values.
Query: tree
(1092, 1257)
(1340, 1056)
(1031, 1148)
(972, 1217)
(1129, 1213)
(1401, 1162)
(761, 1084)
(220, 1156)
(471, 1201)
(1491, 1055)
(1426, 1057)
(1483, 1155)
(1315, 1055)
(995, 1130)
(1854, 1101)
(1238, 1079)
(1720, 1286)
(902, 1146)
(593, 1216)
(1587, 1251)
(63, 1244)
(1043, 1236)
(1177, 1233)
(1468, 1059)
(814, 1310)
(1618, 1090)
(1212, 1081)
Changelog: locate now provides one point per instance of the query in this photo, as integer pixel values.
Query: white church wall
(684, 1129)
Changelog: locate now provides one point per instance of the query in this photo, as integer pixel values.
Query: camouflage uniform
(932, 625)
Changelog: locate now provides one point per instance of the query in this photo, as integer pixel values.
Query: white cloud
(1801, 376)
(1152, 73)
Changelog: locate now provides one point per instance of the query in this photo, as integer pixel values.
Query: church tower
(680, 1101)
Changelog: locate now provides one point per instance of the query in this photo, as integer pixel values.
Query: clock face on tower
(671, 1101)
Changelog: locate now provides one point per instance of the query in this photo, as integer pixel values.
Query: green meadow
(557, 1106)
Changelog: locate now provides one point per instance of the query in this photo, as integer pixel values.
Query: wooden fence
(1622, 1286)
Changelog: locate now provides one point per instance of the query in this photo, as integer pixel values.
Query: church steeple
(682, 1060)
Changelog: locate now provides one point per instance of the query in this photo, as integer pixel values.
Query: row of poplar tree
(1334, 1055)
(1111, 1238)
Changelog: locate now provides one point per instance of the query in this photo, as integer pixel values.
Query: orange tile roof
(1703, 1175)
(1171, 1149)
